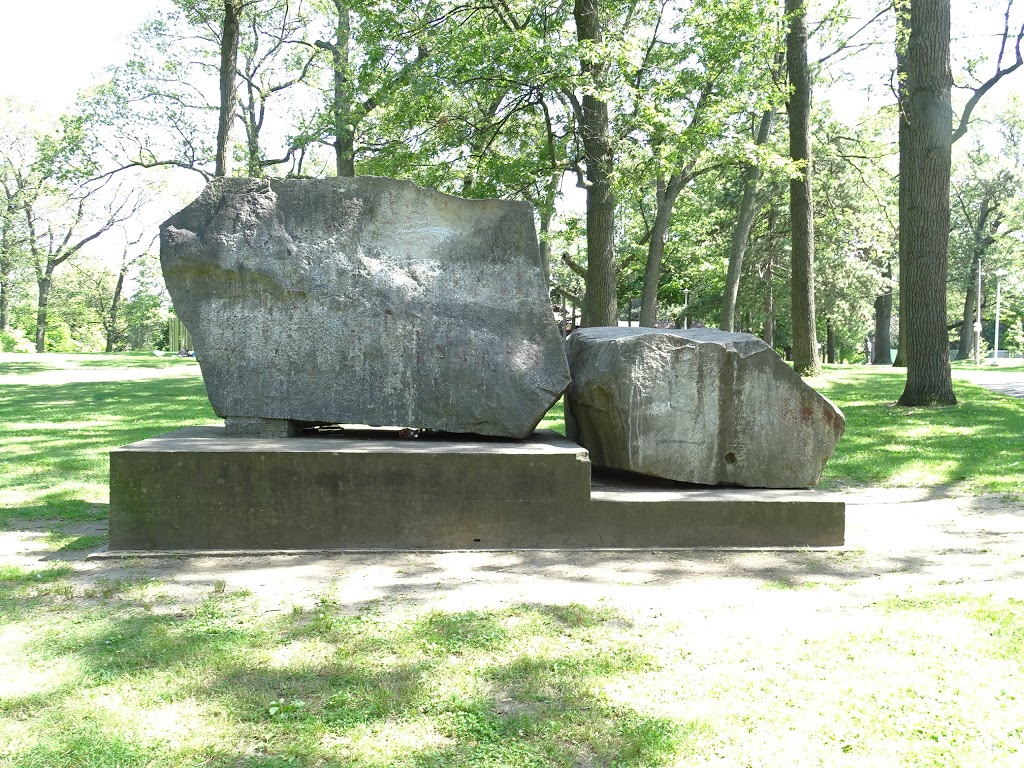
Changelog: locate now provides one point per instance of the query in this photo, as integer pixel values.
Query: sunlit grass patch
(976, 445)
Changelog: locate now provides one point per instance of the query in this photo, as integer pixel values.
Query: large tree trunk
(599, 303)
(883, 322)
(668, 193)
(228, 65)
(45, 283)
(805, 342)
(925, 139)
(744, 223)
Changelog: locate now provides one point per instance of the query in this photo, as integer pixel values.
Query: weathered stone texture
(366, 301)
(698, 406)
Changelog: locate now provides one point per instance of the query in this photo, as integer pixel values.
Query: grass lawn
(125, 672)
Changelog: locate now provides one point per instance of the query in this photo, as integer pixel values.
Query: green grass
(977, 445)
(55, 437)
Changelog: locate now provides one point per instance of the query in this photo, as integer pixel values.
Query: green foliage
(15, 340)
(1015, 338)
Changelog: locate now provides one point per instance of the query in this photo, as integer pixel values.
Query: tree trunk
(45, 282)
(599, 303)
(769, 308)
(115, 305)
(801, 213)
(883, 322)
(965, 349)
(341, 109)
(545, 243)
(228, 65)
(667, 195)
(5, 302)
(901, 348)
(925, 139)
(744, 223)
(830, 343)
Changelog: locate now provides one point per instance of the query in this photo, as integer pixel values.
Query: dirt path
(899, 542)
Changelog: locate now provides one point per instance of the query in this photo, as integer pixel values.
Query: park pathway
(1006, 382)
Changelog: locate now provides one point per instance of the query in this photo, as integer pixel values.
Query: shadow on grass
(518, 687)
(977, 443)
(56, 438)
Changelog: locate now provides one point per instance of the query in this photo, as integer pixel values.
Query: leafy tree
(62, 203)
(987, 207)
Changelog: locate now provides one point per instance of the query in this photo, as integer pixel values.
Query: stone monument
(373, 302)
(364, 301)
(697, 406)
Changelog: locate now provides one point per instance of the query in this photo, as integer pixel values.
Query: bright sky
(52, 48)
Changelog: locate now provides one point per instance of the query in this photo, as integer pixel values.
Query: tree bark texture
(228, 65)
(599, 303)
(744, 223)
(801, 212)
(883, 322)
(667, 194)
(925, 139)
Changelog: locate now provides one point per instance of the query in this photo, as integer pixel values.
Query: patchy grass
(526, 686)
(219, 684)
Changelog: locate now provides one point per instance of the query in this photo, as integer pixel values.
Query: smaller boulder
(698, 406)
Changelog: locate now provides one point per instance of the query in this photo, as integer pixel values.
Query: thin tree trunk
(599, 303)
(883, 322)
(115, 305)
(45, 282)
(744, 223)
(769, 307)
(341, 112)
(805, 343)
(5, 302)
(966, 346)
(228, 65)
(830, 343)
(925, 138)
(667, 195)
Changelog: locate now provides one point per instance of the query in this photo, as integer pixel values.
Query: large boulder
(365, 301)
(698, 406)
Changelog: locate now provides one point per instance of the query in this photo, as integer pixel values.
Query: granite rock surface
(697, 406)
(365, 301)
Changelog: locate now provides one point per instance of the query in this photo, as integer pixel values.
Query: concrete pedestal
(198, 489)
